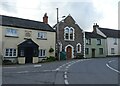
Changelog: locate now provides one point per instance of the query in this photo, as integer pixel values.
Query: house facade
(70, 37)
(26, 41)
(95, 45)
(112, 39)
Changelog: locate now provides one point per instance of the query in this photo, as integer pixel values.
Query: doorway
(93, 52)
(69, 52)
(28, 55)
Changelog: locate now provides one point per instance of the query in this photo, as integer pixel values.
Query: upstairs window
(98, 41)
(42, 35)
(88, 41)
(115, 41)
(11, 32)
(69, 33)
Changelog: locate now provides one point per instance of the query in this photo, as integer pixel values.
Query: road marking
(37, 65)
(111, 67)
(23, 72)
(65, 76)
(9, 67)
(66, 81)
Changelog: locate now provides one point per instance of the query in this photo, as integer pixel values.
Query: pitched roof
(25, 23)
(93, 35)
(110, 32)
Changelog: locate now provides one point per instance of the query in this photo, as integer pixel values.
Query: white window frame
(10, 32)
(79, 48)
(69, 28)
(42, 50)
(42, 35)
(112, 50)
(11, 52)
(115, 41)
(99, 41)
(88, 41)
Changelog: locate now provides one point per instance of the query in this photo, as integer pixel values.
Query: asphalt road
(84, 71)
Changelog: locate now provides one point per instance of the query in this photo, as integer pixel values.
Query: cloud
(8, 6)
(85, 12)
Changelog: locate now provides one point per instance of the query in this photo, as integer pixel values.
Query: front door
(28, 54)
(69, 52)
(93, 52)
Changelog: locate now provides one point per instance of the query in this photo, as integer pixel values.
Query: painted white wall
(110, 44)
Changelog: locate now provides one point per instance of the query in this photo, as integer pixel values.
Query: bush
(51, 58)
(7, 62)
(51, 50)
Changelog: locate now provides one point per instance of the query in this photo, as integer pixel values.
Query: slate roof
(25, 23)
(110, 32)
(93, 35)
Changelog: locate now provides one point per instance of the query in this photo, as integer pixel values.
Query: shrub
(51, 50)
(51, 58)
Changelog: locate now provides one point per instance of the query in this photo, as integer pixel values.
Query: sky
(84, 12)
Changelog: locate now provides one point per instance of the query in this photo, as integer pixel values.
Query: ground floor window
(10, 52)
(112, 51)
(42, 52)
(86, 50)
(101, 51)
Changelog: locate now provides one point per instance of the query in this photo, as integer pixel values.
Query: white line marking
(65, 73)
(66, 82)
(65, 76)
(37, 65)
(23, 72)
(9, 67)
(112, 68)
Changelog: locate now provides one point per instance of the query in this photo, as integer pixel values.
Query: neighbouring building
(70, 37)
(95, 45)
(26, 41)
(112, 39)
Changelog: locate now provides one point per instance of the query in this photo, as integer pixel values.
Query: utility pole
(58, 41)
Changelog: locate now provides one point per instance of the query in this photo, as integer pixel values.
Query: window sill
(68, 40)
(12, 36)
(42, 38)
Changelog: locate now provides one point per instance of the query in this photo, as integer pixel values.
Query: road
(79, 71)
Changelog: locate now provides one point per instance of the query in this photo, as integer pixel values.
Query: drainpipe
(84, 44)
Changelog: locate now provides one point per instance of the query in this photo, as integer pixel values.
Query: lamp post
(58, 39)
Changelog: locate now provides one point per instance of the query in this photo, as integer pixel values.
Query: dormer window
(69, 33)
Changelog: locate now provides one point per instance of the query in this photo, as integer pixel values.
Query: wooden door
(69, 52)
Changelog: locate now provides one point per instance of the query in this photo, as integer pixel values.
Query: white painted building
(113, 38)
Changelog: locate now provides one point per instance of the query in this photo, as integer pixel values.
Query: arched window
(69, 33)
(66, 33)
(78, 48)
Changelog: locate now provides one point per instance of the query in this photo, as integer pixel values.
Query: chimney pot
(45, 18)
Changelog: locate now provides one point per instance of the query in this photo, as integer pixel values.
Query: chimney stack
(95, 26)
(45, 18)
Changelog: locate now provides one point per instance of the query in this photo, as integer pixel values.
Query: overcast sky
(85, 12)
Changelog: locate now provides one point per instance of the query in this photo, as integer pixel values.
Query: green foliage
(51, 58)
(51, 50)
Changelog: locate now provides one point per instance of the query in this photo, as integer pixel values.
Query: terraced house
(26, 41)
(112, 39)
(95, 45)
